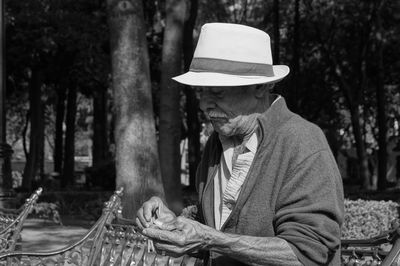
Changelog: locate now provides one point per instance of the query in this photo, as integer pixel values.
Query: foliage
(16, 179)
(47, 211)
(68, 41)
(85, 205)
(368, 218)
(102, 176)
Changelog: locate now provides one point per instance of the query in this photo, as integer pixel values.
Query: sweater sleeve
(310, 210)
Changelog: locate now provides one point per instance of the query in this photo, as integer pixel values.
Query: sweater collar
(272, 119)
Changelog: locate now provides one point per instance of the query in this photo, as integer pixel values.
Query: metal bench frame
(12, 221)
(116, 241)
(82, 252)
(361, 251)
(106, 243)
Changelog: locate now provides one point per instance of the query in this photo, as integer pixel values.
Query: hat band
(202, 64)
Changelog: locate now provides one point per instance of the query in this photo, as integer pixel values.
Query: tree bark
(170, 117)
(353, 99)
(276, 32)
(381, 103)
(296, 58)
(100, 139)
(59, 132)
(24, 133)
(37, 130)
(69, 148)
(192, 103)
(137, 165)
(360, 147)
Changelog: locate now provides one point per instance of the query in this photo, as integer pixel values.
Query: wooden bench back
(12, 221)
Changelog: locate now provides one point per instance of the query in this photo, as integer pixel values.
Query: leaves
(367, 218)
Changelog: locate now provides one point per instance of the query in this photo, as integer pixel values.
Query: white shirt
(229, 179)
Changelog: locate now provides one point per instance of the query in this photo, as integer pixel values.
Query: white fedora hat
(232, 55)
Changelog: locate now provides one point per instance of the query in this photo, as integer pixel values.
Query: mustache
(214, 114)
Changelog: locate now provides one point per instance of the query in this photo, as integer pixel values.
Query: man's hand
(151, 210)
(182, 236)
(179, 236)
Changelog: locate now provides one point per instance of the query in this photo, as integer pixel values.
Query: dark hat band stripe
(202, 64)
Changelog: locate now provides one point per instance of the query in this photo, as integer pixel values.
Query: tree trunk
(353, 100)
(59, 133)
(381, 103)
(170, 117)
(137, 165)
(100, 139)
(360, 147)
(276, 33)
(37, 130)
(295, 59)
(24, 133)
(192, 103)
(69, 148)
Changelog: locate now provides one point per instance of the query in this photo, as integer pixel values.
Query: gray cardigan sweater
(293, 189)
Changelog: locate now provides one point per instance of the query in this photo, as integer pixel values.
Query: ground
(40, 235)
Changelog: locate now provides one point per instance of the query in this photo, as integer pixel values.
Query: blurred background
(88, 103)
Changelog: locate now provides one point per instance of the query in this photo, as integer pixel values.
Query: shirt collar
(252, 143)
(276, 99)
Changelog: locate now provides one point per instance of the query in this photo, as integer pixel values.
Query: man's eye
(199, 90)
(219, 94)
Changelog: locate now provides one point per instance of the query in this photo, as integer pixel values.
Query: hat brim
(207, 79)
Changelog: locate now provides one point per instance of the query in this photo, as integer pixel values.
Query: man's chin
(221, 127)
(223, 131)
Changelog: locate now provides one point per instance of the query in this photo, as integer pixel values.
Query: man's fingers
(148, 208)
(139, 224)
(142, 221)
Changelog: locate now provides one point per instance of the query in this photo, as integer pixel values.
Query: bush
(367, 218)
(46, 211)
(103, 176)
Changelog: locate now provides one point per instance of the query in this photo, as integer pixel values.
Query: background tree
(69, 148)
(344, 77)
(137, 163)
(37, 129)
(381, 99)
(170, 117)
(192, 103)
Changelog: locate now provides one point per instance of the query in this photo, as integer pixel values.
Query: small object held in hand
(150, 244)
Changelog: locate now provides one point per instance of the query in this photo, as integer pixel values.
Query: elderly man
(269, 187)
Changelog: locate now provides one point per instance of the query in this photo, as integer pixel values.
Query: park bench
(111, 241)
(383, 249)
(116, 241)
(12, 220)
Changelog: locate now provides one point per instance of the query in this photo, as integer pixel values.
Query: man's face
(229, 109)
